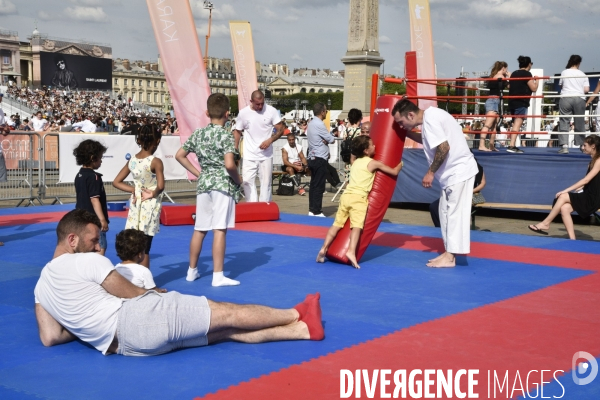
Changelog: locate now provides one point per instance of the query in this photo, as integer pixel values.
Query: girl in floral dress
(146, 196)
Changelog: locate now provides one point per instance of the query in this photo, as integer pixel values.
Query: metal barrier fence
(52, 190)
(33, 169)
(22, 157)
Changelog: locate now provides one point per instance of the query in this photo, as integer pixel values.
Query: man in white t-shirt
(81, 295)
(575, 84)
(256, 122)
(85, 126)
(294, 161)
(452, 164)
(38, 124)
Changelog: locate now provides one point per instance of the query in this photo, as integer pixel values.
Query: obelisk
(362, 59)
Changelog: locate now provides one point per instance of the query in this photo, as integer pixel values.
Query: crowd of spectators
(57, 110)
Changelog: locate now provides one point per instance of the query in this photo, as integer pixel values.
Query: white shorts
(214, 210)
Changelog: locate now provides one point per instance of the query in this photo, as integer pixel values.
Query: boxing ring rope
(463, 99)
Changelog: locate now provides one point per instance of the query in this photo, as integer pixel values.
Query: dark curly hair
(359, 145)
(354, 116)
(130, 243)
(148, 136)
(88, 151)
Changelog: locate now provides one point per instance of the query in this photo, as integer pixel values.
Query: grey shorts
(157, 323)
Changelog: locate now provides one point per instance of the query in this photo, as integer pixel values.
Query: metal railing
(22, 157)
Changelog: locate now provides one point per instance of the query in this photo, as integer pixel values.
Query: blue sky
(311, 33)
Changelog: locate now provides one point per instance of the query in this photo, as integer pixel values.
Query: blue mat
(392, 291)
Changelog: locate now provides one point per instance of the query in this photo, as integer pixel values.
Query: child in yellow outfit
(354, 202)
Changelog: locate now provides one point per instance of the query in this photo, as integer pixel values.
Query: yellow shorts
(353, 206)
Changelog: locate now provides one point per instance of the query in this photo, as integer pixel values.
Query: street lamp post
(207, 6)
(329, 103)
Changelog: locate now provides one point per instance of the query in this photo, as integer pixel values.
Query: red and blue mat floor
(516, 305)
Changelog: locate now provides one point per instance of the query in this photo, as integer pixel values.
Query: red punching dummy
(388, 138)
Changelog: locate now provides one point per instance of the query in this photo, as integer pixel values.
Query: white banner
(120, 150)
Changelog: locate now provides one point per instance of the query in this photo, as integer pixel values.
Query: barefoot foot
(437, 258)
(352, 259)
(321, 255)
(446, 260)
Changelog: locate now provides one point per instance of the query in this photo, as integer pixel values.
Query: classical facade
(142, 82)
(308, 81)
(10, 57)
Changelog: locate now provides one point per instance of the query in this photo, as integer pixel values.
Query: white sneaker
(192, 274)
(310, 214)
(315, 215)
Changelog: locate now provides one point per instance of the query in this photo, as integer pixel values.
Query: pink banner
(182, 62)
(421, 42)
(245, 65)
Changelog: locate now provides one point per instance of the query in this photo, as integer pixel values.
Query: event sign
(245, 65)
(182, 61)
(421, 42)
(120, 150)
(71, 72)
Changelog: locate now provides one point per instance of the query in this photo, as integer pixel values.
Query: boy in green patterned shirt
(218, 186)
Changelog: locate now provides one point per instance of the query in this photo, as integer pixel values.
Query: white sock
(192, 274)
(220, 280)
(565, 146)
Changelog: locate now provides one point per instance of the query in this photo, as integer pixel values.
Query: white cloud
(491, 13)
(555, 20)
(45, 16)
(516, 10)
(296, 57)
(87, 14)
(216, 30)
(443, 45)
(585, 5)
(95, 2)
(585, 34)
(269, 14)
(468, 54)
(384, 39)
(7, 7)
(219, 12)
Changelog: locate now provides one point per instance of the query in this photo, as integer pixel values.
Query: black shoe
(513, 149)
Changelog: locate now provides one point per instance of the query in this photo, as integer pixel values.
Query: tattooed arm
(441, 152)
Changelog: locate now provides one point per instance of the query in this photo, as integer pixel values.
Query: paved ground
(418, 214)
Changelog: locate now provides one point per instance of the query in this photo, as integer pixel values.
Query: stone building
(10, 57)
(142, 81)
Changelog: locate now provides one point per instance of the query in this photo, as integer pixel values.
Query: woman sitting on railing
(585, 202)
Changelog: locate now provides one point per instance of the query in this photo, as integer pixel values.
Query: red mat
(536, 331)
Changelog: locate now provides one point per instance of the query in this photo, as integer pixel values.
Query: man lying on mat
(80, 295)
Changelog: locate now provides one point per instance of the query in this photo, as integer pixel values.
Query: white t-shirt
(38, 124)
(257, 127)
(70, 289)
(575, 86)
(86, 126)
(293, 153)
(137, 274)
(459, 165)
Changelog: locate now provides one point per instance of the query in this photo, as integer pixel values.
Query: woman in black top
(492, 104)
(585, 202)
(522, 87)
